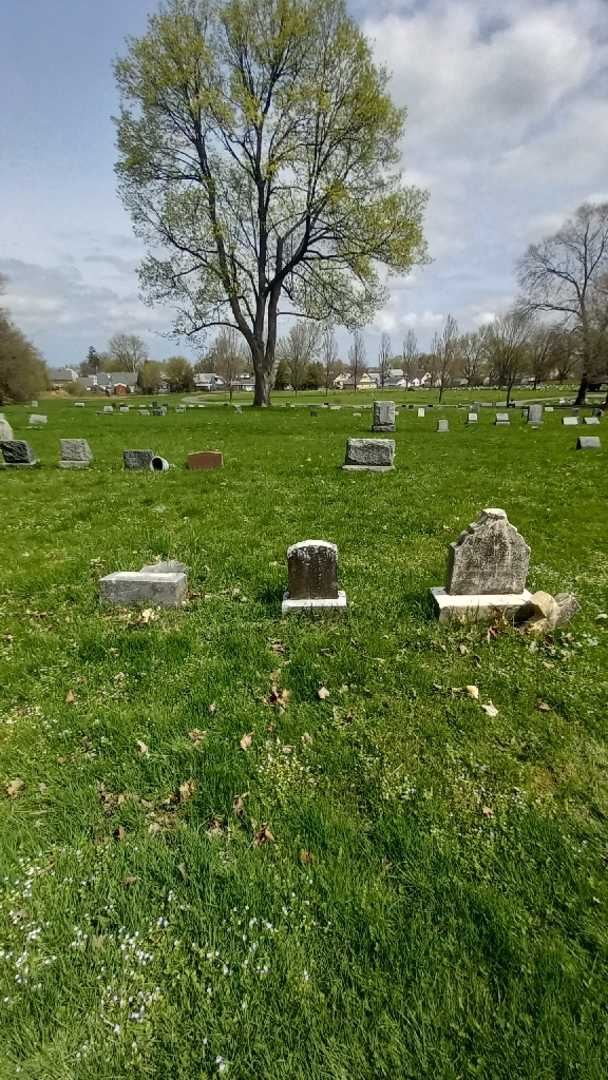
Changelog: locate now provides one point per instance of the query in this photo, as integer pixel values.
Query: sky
(507, 122)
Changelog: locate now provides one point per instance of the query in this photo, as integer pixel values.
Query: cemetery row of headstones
(486, 577)
(76, 454)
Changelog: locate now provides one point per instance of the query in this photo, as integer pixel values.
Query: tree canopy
(259, 158)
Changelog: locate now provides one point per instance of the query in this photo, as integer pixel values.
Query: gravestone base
(74, 464)
(368, 468)
(313, 604)
(383, 427)
(476, 607)
(127, 589)
(19, 464)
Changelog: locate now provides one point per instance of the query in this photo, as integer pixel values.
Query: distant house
(208, 380)
(119, 383)
(61, 377)
(244, 382)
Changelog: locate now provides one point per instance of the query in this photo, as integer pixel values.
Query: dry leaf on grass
(142, 748)
(263, 836)
(247, 740)
(278, 697)
(239, 805)
(543, 707)
(473, 692)
(277, 647)
(70, 697)
(216, 830)
(15, 788)
(487, 811)
(130, 879)
(197, 737)
(120, 833)
(306, 857)
(463, 649)
(212, 708)
(323, 693)
(187, 789)
(490, 710)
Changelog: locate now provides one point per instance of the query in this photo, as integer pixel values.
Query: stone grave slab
(137, 459)
(205, 460)
(589, 442)
(570, 421)
(75, 454)
(371, 455)
(313, 577)
(502, 419)
(6, 431)
(384, 416)
(126, 589)
(17, 454)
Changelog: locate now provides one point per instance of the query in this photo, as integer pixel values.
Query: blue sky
(507, 121)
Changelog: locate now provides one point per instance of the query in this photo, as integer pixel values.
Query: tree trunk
(263, 379)
(581, 397)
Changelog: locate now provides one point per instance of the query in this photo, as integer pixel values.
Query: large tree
(561, 273)
(227, 357)
(508, 349)
(409, 356)
(126, 352)
(259, 159)
(384, 358)
(444, 353)
(23, 372)
(357, 358)
(298, 351)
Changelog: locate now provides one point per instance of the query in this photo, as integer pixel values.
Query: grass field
(385, 882)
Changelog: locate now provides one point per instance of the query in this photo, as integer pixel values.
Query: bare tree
(471, 355)
(329, 351)
(445, 352)
(226, 356)
(508, 348)
(127, 352)
(539, 352)
(563, 352)
(298, 350)
(384, 359)
(357, 356)
(409, 356)
(558, 275)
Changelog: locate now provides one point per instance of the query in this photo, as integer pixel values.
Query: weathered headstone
(421, 413)
(313, 577)
(487, 570)
(107, 409)
(472, 418)
(79, 404)
(549, 408)
(137, 459)
(570, 421)
(38, 420)
(591, 420)
(126, 589)
(6, 431)
(588, 442)
(384, 416)
(123, 408)
(159, 464)
(180, 408)
(34, 404)
(17, 454)
(75, 454)
(502, 419)
(373, 455)
(535, 413)
(443, 425)
(205, 459)
(144, 412)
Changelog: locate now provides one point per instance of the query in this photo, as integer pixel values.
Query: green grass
(450, 919)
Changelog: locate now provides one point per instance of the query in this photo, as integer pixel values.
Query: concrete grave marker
(535, 413)
(123, 408)
(79, 404)
(588, 442)
(313, 577)
(34, 404)
(6, 431)
(17, 454)
(502, 419)
(487, 570)
(124, 589)
(443, 425)
(591, 420)
(570, 421)
(205, 459)
(144, 412)
(137, 459)
(421, 413)
(75, 454)
(549, 408)
(472, 418)
(107, 410)
(384, 416)
(38, 420)
(372, 455)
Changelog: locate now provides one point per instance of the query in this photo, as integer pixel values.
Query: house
(208, 380)
(62, 377)
(365, 381)
(244, 382)
(119, 383)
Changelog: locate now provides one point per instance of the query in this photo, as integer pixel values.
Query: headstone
(79, 404)
(123, 408)
(591, 420)
(535, 413)
(384, 416)
(570, 421)
(372, 455)
(34, 404)
(38, 420)
(502, 419)
(238, 409)
(131, 589)
(180, 408)
(17, 453)
(357, 414)
(6, 431)
(443, 425)
(205, 459)
(588, 442)
(472, 418)
(75, 454)
(159, 464)
(335, 408)
(137, 459)
(487, 570)
(107, 409)
(549, 408)
(313, 577)
(159, 410)
(421, 413)
(144, 412)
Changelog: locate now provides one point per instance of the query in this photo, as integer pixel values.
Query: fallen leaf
(70, 697)
(463, 649)
(490, 709)
(279, 697)
(15, 788)
(187, 790)
(212, 708)
(239, 805)
(277, 647)
(142, 748)
(120, 833)
(197, 736)
(473, 692)
(155, 827)
(216, 830)
(43, 788)
(323, 693)
(148, 615)
(130, 879)
(306, 857)
(247, 740)
(263, 836)
(306, 739)
(487, 811)
(543, 707)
